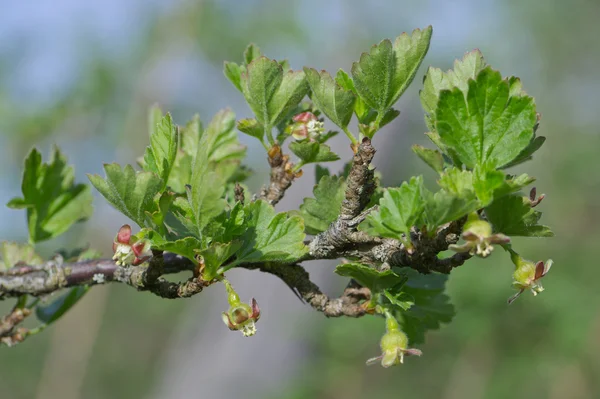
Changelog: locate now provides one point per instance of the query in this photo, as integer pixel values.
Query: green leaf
(52, 200)
(320, 172)
(48, 314)
(312, 151)
(181, 173)
(16, 253)
(433, 158)
(205, 194)
(188, 246)
(364, 113)
(492, 184)
(431, 306)
(486, 126)
(443, 207)
(436, 80)
(270, 92)
(252, 128)
(513, 215)
(215, 255)
(399, 300)
(251, 53)
(334, 101)
(233, 72)
(319, 212)
(527, 154)
(399, 210)
(458, 182)
(383, 74)
(164, 141)
(270, 237)
(368, 277)
(130, 192)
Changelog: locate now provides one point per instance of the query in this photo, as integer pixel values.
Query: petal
(124, 234)
(512, 298)
(391, 358)
(255, 310)
(227, 321)
(539, 270)
(412, 352)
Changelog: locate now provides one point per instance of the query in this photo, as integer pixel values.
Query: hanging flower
(394, 345)
(128, 250)
(479, 238)
(528, 274)
(240, 316)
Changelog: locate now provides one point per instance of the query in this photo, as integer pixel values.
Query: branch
(281, 178)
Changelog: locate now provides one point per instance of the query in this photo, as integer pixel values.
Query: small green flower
(479, 238)
(528, 274)
(128, 250)
(394, 345)
(240, 316)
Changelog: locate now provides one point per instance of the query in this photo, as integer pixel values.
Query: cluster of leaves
(184, 197)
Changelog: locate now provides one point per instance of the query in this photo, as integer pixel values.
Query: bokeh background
(82, 75)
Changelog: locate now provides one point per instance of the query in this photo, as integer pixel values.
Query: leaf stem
(350, 136)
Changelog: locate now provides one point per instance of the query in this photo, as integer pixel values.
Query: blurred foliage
(544, 347)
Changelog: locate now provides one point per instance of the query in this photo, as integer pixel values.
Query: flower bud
(128, 250)
(394, 345)
(240, 316)
(479, 238)
(528, 274)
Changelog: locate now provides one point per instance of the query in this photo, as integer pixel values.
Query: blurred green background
(82, 75)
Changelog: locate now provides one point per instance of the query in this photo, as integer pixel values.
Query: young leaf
(431, 306)
(270, 93)
(492, 184)
(436, 80)
(335, 102)
(383, 74)
(269, 236)
(252, 128)
(488, 126)
(364, 113)
(433, 158)
(312, 151)
(14, 253)
(48, 314)
(130, 192)
(443, 207)
(233, 72)
(251, 53)
(205, 194)
(513, 215)
(188, 246)
(399, 300)
(164, 141)
(319, 212)
(320, 172)
(368, 277)
(52, 199)
(399, 210)
(215, 255)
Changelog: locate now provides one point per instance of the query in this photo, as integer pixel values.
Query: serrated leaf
(48, 314)
(443, 207)
(187, 247)
(431, 306)
(399, 210)
(320, 172)
(52, 199)
(368, 277)
(492, 184)
(486, 126)
(526, 155)
(436, 80)
(312, 151)
(334, 101)
(269, 236)
(14, 253)
(433, 158)
(130, 192)
(513, 215)
(319, 212)
(164, 142)
(270, 92)
(383, 74)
